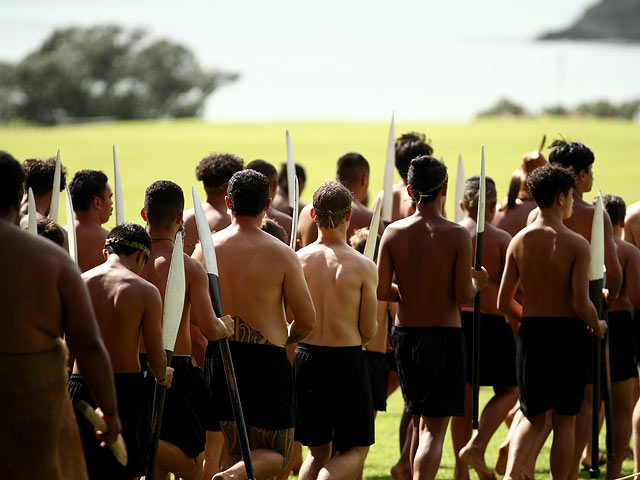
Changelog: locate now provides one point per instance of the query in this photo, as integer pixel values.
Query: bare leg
(562, 446)
(622, 394)
(429, 453)
(530, 462)
(492, 416)
(461, 433)
(317, 457)
(344, 464)
(266, 464)
(520, 445)
(503, 451)
(402, 469)
(213, 451)
(583, 429)
(172, 459)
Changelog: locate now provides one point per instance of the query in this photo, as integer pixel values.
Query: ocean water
(354, 60)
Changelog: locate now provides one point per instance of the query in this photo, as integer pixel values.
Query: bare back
(121, 300)
(431, 258)
(632, 225)
(512, 220)
(629, 258)
(216, 219)
(545, 258)
(402, 202)
(90, 238)
(342, 283)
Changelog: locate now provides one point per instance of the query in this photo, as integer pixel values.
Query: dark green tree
(105, 71)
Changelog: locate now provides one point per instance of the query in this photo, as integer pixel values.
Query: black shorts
(497, 349)
(550, 364)
(378, 368)
(265, 384)
(431, 366)
(135, 417)
(185, 407)
(333, 394)
(622, 362)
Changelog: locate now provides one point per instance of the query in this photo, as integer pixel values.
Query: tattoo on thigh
(279, 440)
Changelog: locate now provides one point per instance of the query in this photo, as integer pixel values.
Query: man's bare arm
(368, 322)
(614, 271)
(152, 334)
(508, 287)
(83, 337)
(204, 317)
(582, 305)
(299, 300)
(387, 291)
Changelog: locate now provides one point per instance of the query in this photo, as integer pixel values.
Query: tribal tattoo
(279, 440)
(245, 333)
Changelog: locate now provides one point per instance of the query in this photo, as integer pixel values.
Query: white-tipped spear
(33, 220)
(55, 192)
(171, 317)
(387, 208)
(596, 283)
(295, 213)
(372, 237)
(118, 189)
(291, 174)
(71, 228)
(475, 370)
(460, 179)
(211, 265)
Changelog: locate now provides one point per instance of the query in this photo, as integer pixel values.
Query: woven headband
(126, 243)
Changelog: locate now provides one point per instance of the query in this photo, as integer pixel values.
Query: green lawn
(152, 150)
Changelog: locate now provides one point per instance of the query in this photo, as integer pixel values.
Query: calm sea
(429, 60)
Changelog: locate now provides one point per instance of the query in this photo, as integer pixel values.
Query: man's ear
(268, 205)
(410, 193)
(143, 214)
(226, 202)
(622, 223)
(347, 217)
(444, 189)
(462, 206)
(104, 253)
(179, 218)
(313, 214)
(96, 202)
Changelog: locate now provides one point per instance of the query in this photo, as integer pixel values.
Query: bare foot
(400, 472)
(501, 462)
(475, 459)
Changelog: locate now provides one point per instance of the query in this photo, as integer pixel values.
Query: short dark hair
(409, 146)
(84, 185)
(47, 228)
(571, 155)
(283, 181)
(163, 202)
(11, 181)
(359, 240)
(547, 182)
(274, 229)
(127, 239)
(350, 167)
(615, 207)
(265, 168)
(472, 190)
(215, 170)
(39, 175)
(331, 203)
(426, 177)
(248, 193)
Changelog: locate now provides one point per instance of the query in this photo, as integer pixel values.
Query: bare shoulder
(189, 215)
(502, 237)
(192, 266)
(633, 212)
(576, 240)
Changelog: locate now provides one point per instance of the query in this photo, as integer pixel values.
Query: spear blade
(460, 179)
(118, 189)
(387, 208)
(291, 174)
(33, 221)
(55, 192)
(372, 237)
(71, 227)
(296, 214)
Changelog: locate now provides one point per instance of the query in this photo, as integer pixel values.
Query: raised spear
(71, 227)
(596, 283)
(460, 179)
(295, 214)
(118, 189)
(55, 192)
(291, 175)
(211, 264)
(387, 208)
(33, 221)
(475, 367)
(171, 317)
(372, 237)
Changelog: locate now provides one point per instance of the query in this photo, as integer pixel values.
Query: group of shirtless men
(310, 330)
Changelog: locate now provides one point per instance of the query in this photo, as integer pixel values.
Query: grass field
(151, 150)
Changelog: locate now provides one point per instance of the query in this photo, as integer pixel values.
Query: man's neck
(243, 221)
(431, 209)
(43, 204)
(87, 217)
(333, 236)
(617, 230)
(216, 200)
(158, 234)
(551, 216)
(117, 261)
(577, 192)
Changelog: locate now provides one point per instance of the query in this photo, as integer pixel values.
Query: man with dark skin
(631, 231)
(38, 311)
(431, 259)
(281, 200)
(352, 170)
(552, 338)
(39, 177)
(92, 207)
(408, 146)
(623, 368)
(269, 171)
(497, 340)
(256, 272)
(214, 171)
(182, 435)
(331, 361)
(579, 158)
(125, 306)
